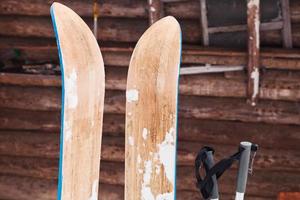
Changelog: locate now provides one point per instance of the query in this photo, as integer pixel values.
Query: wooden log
(119, 29)
(34, 147)
(39, 51)
(190, 107)
(27, 188)
(155, 10)
(288, 195)
(15, 119)
(204, 23)
(287, 29)
(108, 8)
(48, 98)
(113, 174)
(253, 21)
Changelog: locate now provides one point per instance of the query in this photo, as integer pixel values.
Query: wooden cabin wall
(212, 110)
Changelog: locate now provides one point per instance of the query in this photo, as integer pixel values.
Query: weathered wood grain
(31, 146)
(113, 8)
(113, 174)
(27, 188)
(41, 51)
(280, 86)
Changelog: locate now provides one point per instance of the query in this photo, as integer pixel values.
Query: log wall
(212, 110)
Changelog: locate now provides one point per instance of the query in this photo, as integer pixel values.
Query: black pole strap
(205, 184)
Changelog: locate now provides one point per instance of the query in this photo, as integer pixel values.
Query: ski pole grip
(243, 170)
(210, 164)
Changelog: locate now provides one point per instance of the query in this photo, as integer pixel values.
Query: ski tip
(168, 22)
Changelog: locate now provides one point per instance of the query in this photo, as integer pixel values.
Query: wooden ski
(151, 113)
(82, 105)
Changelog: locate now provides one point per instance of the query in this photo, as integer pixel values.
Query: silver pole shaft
(243, 170)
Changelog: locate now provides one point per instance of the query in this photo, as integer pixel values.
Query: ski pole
(244, 169)
(210, 164)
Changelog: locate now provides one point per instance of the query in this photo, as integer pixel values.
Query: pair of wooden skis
(151, 110)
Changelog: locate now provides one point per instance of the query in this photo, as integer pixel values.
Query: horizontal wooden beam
(27, 188)
(272, 87)
(188, 9)
(267, 26)
(113, 174)
(48, 100)
(113, 151)
(119, 29)
(33, 51)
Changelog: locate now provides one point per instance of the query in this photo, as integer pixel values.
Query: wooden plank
(281, 112)
(274, 159)
(288, 195)
(108, 8)
(34, 51)
(27, 188)
(204, 23)
(266, 26)
(287, 29)
(82, 108)
(155, 9)
(113, 174)
(253, 21)
(151, 113)
(14, 94)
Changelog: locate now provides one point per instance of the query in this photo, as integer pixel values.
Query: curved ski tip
(168, 21)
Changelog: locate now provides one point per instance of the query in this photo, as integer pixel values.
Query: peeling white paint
(131, 140)
(71, 90)
(68, 131)
(145, 133)
(167, 149)
(152, 9)
(139, 160)
(255, 77)
(132, 95)
(251, 4)
(146, 192)
(94, 195)
(165, 196)
(129, 113)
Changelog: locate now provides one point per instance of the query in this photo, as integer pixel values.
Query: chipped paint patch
(146, 192)
(94, 195)
(71, 90)
(167, 148)
(145, 133)
(132, 95)
(165, 196)
(129, 113)
(131, 140)
(152, 9)
(255, 77)
(68, 131)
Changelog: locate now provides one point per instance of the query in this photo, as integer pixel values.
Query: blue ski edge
(60, 176)
(177, 103)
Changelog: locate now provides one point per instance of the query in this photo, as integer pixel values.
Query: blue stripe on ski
(177, 103)
(60, 176)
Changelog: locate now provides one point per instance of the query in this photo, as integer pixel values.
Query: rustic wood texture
(155, 9)
(83, 100)
(253, 22)
(30, 104)
(287, 28)
(288, 195)
(151, 113)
